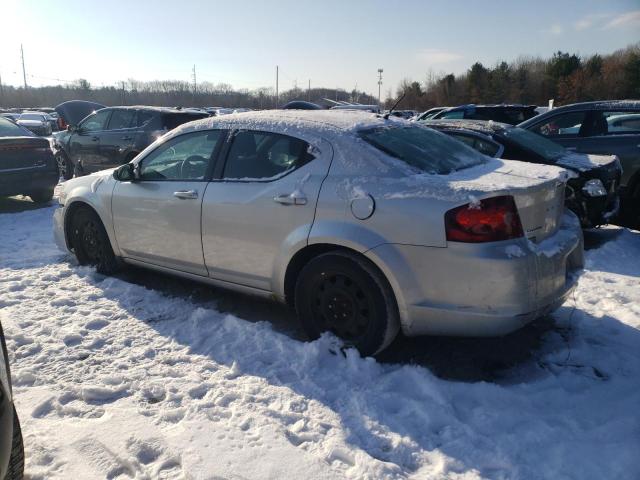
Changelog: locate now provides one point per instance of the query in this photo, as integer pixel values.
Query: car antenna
(386, 115)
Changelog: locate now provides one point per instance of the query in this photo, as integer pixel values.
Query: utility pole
(379, 85)
(277, 73)
(309, 91)
(195, 84)
(24, 74)
(123, 93)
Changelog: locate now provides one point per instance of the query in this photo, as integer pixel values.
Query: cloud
(435, 56)
(590, 20)
(629, 19)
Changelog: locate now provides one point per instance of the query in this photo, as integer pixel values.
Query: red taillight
(490, 220)
(62, 125)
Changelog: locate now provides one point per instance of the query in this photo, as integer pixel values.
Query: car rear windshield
(423, 148)
(31, 116)
(547, 149)
(173, 120)
(10, 129)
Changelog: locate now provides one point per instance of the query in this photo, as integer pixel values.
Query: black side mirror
(126, 173)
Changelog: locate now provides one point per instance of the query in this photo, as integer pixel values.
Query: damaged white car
(365, 225)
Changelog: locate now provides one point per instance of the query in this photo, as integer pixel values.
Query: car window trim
(219, 172)
(213, 158)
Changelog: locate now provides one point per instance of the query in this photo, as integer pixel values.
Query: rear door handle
(186, 194)
(127, 138)
(291, 199)
(94, 139)
(572, 149)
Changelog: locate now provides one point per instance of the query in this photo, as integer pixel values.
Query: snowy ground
(144, 376)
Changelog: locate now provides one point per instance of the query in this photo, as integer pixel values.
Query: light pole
(379, 85)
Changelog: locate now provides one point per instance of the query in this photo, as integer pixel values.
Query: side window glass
(621, 123)
(567, 125)
(458, 114)
(464, 139)
(262, 155)
(121, 119)
(186, 157)
(95, 122)
(488, 148)
(143, 118)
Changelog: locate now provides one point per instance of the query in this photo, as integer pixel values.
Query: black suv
(11, 447)
(592, 194)
(112, 136)
(504, 113)
(611, 127)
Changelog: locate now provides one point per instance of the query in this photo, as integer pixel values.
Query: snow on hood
(585, 161)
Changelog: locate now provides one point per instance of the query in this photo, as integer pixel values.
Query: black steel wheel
(345, 294)
(91, 243)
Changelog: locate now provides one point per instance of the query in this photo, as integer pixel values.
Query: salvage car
(505, 113)
(593, 192)
(604, 127)
(11, 446)
(37, 122)
(364, 225)
(113, 136)
(27, 166)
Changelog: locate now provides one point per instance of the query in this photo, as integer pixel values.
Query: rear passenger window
(620, 123)
(143, 118)
(458, 114)
(121, 119)
(263, 156)
(564, 125)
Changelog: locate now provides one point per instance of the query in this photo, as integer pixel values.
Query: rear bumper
(27, 181)
(483, 290)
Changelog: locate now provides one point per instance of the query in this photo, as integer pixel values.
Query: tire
(78, 171)
(91, 243)
(42, 196)
(341, 284)
(16, 461)
(65, 167)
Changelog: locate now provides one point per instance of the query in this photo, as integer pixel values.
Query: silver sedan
(365, 225)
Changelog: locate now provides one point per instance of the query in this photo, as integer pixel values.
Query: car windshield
(10, 129)
(547, 149)
(31, 116)
(423, 148)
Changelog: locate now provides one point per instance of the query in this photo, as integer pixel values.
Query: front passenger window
(564, 125)
(263, 155)
(186, 157)
(95, 122)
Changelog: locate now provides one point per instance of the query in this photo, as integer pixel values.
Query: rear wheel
(42, 196)
(91, 243)
(344, 294)
(64, 166)
(16, 461)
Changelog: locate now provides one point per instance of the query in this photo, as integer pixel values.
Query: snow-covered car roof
(336, 120)
(484, 126)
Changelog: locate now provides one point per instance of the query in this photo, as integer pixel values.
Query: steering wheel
(191, 167)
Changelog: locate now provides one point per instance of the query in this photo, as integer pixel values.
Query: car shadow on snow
(450, 358)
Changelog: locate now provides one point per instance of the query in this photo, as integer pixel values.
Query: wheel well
(71, 211)
(304, 256)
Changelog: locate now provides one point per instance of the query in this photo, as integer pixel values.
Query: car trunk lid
(23, 153)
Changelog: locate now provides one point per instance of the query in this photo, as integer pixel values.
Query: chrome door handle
(572, 149)
(186, 194)
(291, 199)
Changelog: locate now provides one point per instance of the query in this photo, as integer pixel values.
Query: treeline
(565, 77)
(170, 93)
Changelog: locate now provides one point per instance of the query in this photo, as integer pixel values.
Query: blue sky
(332, 43)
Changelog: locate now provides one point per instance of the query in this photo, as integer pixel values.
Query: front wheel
(16, 460)
(345, 294)
(91, 243)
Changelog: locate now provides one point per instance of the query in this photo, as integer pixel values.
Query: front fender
(96, 193)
